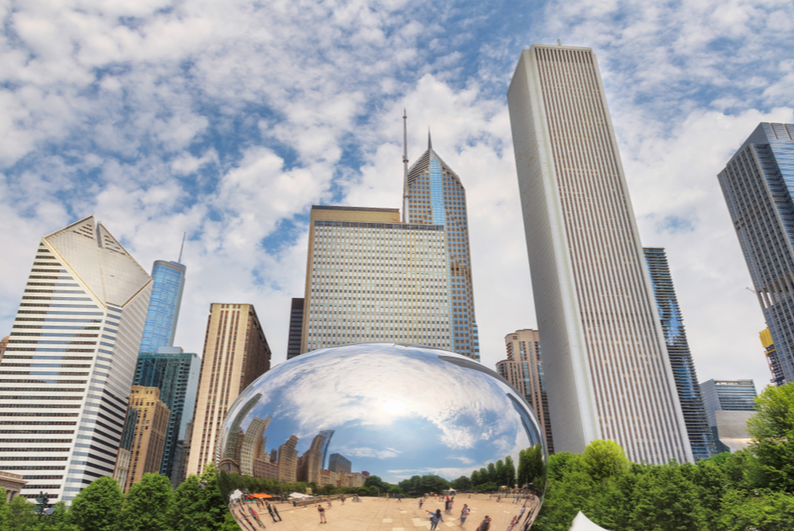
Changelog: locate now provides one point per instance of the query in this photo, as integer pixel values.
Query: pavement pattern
(381, 514)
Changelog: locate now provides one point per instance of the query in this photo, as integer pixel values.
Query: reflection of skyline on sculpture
(382, 407)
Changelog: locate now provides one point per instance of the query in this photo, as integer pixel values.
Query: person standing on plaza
(270, 511)
(422, 500)
(485, 524)
(435, 518)
(328, 500)
(322, 512)
(464, 514)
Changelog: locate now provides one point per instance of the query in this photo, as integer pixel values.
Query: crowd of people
(247, 510)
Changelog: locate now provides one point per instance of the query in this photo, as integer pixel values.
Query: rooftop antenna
(430, 146)
(559, 44)
(405, 172)
(179, 261)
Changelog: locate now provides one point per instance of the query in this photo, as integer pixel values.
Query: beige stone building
(12, 483)
(371, 278)
(149, 437)
(525, 372)
(235, 354)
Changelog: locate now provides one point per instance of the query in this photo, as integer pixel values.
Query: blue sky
(227, 120)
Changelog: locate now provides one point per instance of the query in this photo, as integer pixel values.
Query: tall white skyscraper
(607, 370)
(67, 371)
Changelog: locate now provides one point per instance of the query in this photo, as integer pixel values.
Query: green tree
(491, 473)
(97, 507)
(664, 500)
(3, 510)
(377, 482)
(147, 507)
(763, 510)
(560, 464)
(215, 503)
(564, 499)
(771, 429)
(500, 474)
(21, 516)
(57, 520)
(462, 483)
(510, 471)
(602, 459)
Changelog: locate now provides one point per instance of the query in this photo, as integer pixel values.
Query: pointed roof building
(435, 195)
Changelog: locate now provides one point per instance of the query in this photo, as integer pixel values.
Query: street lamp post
(42, 500)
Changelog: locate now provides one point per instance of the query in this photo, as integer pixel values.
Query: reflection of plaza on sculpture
(245, 453)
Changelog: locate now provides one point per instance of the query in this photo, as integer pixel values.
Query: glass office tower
(435, 195)
(758, 186)
(702, 441)
(176, 374)
(163, 313)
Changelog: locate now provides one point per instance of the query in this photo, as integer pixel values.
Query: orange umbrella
(262, 496)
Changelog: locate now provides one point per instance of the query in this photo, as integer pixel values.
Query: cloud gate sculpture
(342, 415)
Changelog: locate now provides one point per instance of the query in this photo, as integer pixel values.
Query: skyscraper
(82, 311)
(434, 195)
(149, 437)
(525, 372)
(758, 186)
(773, 359)
(605, 362)
(702, 441)
(296, 328)
(372, 278)
(235, 354)
(176, 374)
(729, 405)
(161, 318)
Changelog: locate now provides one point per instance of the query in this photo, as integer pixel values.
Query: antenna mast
(179, 261)
(405, 172)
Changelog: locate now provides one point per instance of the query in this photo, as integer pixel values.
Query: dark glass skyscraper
(176, 374)
(758, 186)
(434, 195)
(161, 318)
(701, 438)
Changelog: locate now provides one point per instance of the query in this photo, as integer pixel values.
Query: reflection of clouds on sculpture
(388, 406)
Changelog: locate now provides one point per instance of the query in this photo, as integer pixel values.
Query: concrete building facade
(371, 278)
(235, 354)
(606, 365)
(729, 405)
(524, 370)
(68, 367)
(149, 436)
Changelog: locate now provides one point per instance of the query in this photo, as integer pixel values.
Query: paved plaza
(380, 514)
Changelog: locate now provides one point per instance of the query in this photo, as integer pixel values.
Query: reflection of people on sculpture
(464, 514)
(435, 518)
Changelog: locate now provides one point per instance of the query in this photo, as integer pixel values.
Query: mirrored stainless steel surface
(342, 415)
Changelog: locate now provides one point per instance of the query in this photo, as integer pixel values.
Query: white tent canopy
(298, 495)
(582, 523)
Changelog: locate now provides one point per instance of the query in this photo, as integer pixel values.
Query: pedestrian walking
(464, 514)
(421, 502)
(328, 500)
(322, 512)
(485, 524)
(513, 523)
(435, 518)
(270, 511)
(276, 510)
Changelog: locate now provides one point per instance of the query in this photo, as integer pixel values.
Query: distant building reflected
(245, 453)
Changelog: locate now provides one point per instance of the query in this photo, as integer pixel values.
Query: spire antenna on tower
(179, 261)
(430, 146)
(405, 172)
